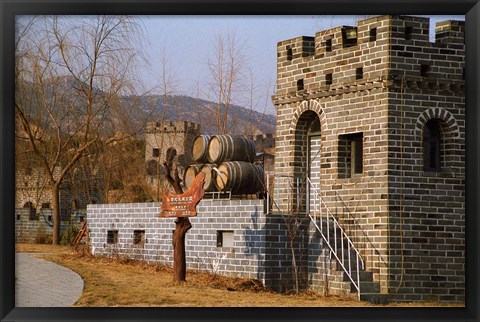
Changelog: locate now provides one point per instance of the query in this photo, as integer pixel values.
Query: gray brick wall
(260, 243)
(244, 217)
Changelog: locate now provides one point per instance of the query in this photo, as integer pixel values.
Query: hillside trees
(70, 74)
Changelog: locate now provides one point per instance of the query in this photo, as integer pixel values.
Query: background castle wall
(37, 227)
(178, 135)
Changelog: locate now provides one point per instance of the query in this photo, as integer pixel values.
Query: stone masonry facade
(389, 106)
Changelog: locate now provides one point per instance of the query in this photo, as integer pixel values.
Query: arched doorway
(307, 159)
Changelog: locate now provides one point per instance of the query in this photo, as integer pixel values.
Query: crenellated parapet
(378, 50)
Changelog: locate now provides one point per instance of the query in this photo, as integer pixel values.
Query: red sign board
(184, 205)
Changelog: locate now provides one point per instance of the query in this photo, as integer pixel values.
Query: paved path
(39, 283)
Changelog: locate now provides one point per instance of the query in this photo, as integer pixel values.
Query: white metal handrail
(342, 254)
(343, 236)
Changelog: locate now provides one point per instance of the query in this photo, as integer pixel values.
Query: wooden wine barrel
(222, 148)
(209, 184)
(200, 149)
(240, 177)
(190, 173)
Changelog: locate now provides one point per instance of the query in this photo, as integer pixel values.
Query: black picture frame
(11, 8)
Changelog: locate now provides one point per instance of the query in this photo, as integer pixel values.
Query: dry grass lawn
(117, 282)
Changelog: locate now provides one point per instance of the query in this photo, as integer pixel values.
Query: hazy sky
(188, 42)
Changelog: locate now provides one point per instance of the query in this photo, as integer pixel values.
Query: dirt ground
(123, 282)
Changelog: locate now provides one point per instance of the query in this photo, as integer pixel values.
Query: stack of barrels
(227, 162)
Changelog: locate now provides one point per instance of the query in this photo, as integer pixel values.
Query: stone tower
(374, 117)
(160, 137)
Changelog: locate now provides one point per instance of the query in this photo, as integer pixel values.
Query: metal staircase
(341, 247)
(348, 257)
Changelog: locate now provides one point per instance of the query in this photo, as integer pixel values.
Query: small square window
(156, 152)
(349, 36)
(139, 237)
(329, 79)
(112, 237)
(224, 238)
(425, 70)
(49, 218)
(81, 219)
(373, 34)
(45, 205)
(18, 217)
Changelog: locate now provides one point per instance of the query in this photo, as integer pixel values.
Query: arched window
(432, 145)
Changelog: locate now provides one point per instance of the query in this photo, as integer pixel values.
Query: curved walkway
(40, 283)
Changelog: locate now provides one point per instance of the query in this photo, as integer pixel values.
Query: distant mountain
(177, 108)
(185, 108)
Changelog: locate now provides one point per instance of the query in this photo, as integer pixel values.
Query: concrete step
(352, 265)
(367, 287)
(374, 298)
(364, 276)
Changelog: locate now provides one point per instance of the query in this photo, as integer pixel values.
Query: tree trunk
(294, 263)
(182, 225)
(56, 213)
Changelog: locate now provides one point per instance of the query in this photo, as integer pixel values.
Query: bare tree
(257, 103)
(70, 75)
(167, 85)
(226, 68)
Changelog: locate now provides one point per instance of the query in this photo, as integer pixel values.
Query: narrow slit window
(373, 34)
(329, 79)
(408, 32)
(432, 146)
(300, 86)
(356, 151)
(328, 45)
(289, 53)
(359, 73)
